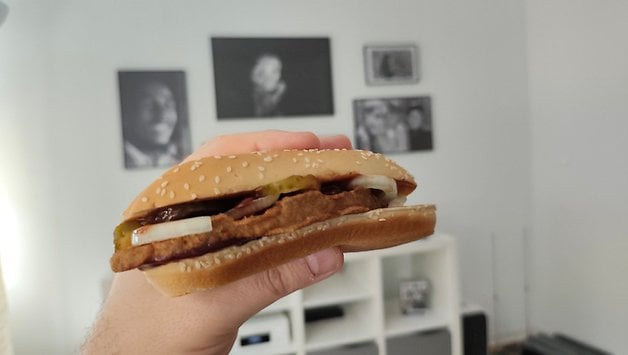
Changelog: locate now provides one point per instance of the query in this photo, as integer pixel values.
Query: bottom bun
(377, 229)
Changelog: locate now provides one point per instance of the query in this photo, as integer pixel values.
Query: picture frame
(272, 77)
(393, 124)
(414, 296)
(154, 114)
(391, 64)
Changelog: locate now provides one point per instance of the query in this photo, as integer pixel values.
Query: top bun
(220, 176)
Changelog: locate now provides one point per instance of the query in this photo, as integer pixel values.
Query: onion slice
(168, 230)
(378, 182)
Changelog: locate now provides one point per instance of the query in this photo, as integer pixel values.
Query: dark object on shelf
(369, 348)
(328, 312)
(543, 344)
(436, 342)
(474, 333)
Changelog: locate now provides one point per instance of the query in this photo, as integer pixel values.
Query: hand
(137, 319)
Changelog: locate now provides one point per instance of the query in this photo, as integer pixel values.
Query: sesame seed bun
(375, 229)
(221, 176)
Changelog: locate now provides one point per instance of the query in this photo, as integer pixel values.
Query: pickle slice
(122, 234)
(291, 184)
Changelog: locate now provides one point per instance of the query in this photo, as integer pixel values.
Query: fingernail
(324, 262)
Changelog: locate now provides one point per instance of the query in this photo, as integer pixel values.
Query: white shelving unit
(368, 291)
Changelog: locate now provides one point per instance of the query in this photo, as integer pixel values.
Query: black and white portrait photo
(272, 77)
(393, 125)
(155, 127)
(391, 64)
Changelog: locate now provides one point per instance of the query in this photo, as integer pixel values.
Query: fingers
(256, 141)
(339, 141)
(268, 140)
(244, 298)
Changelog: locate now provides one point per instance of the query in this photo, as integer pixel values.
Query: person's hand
(137, 319)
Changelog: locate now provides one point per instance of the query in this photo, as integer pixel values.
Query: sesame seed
(300, 154)
(163, 192)
(229, 169)
(261, 168)
(176, 170)
(382, 219)
(232, 157)
(144, 199)
(268, 159)
(245, 164)
(216, 190)
(158, 190)
(201, 178)
(358, 162)
(275, 155)
(186, 186)
(164, 184)
(194, 196)
(171, 194)
(217, 157)
(294, 160)
(217, 179)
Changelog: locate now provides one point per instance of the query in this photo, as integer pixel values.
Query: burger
(209, 222)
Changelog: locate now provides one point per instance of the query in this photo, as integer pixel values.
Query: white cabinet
(367, 291)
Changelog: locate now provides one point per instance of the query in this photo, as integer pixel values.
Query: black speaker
(474, 333)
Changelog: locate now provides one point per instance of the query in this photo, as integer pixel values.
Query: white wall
(30, 245)
(473, 65)
(578, 57)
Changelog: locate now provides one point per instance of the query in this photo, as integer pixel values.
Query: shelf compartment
(356, 326)
(354, 283)
(338, 289)
(397, 323)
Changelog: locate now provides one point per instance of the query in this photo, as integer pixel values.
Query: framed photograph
(393, 125)
(155, 127)
(414, 296)
(391, 64)
(272, 77)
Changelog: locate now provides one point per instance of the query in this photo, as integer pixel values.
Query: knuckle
(277, 282)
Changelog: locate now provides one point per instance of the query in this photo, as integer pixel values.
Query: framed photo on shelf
(414, 296)
(263, 77)
(391, 64)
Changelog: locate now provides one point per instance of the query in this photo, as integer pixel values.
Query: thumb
(252, 294)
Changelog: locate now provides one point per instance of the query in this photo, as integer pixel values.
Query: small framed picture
(393, 124)
(391, 64)
(414, 296)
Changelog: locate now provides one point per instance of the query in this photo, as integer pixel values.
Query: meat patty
(286, 215)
